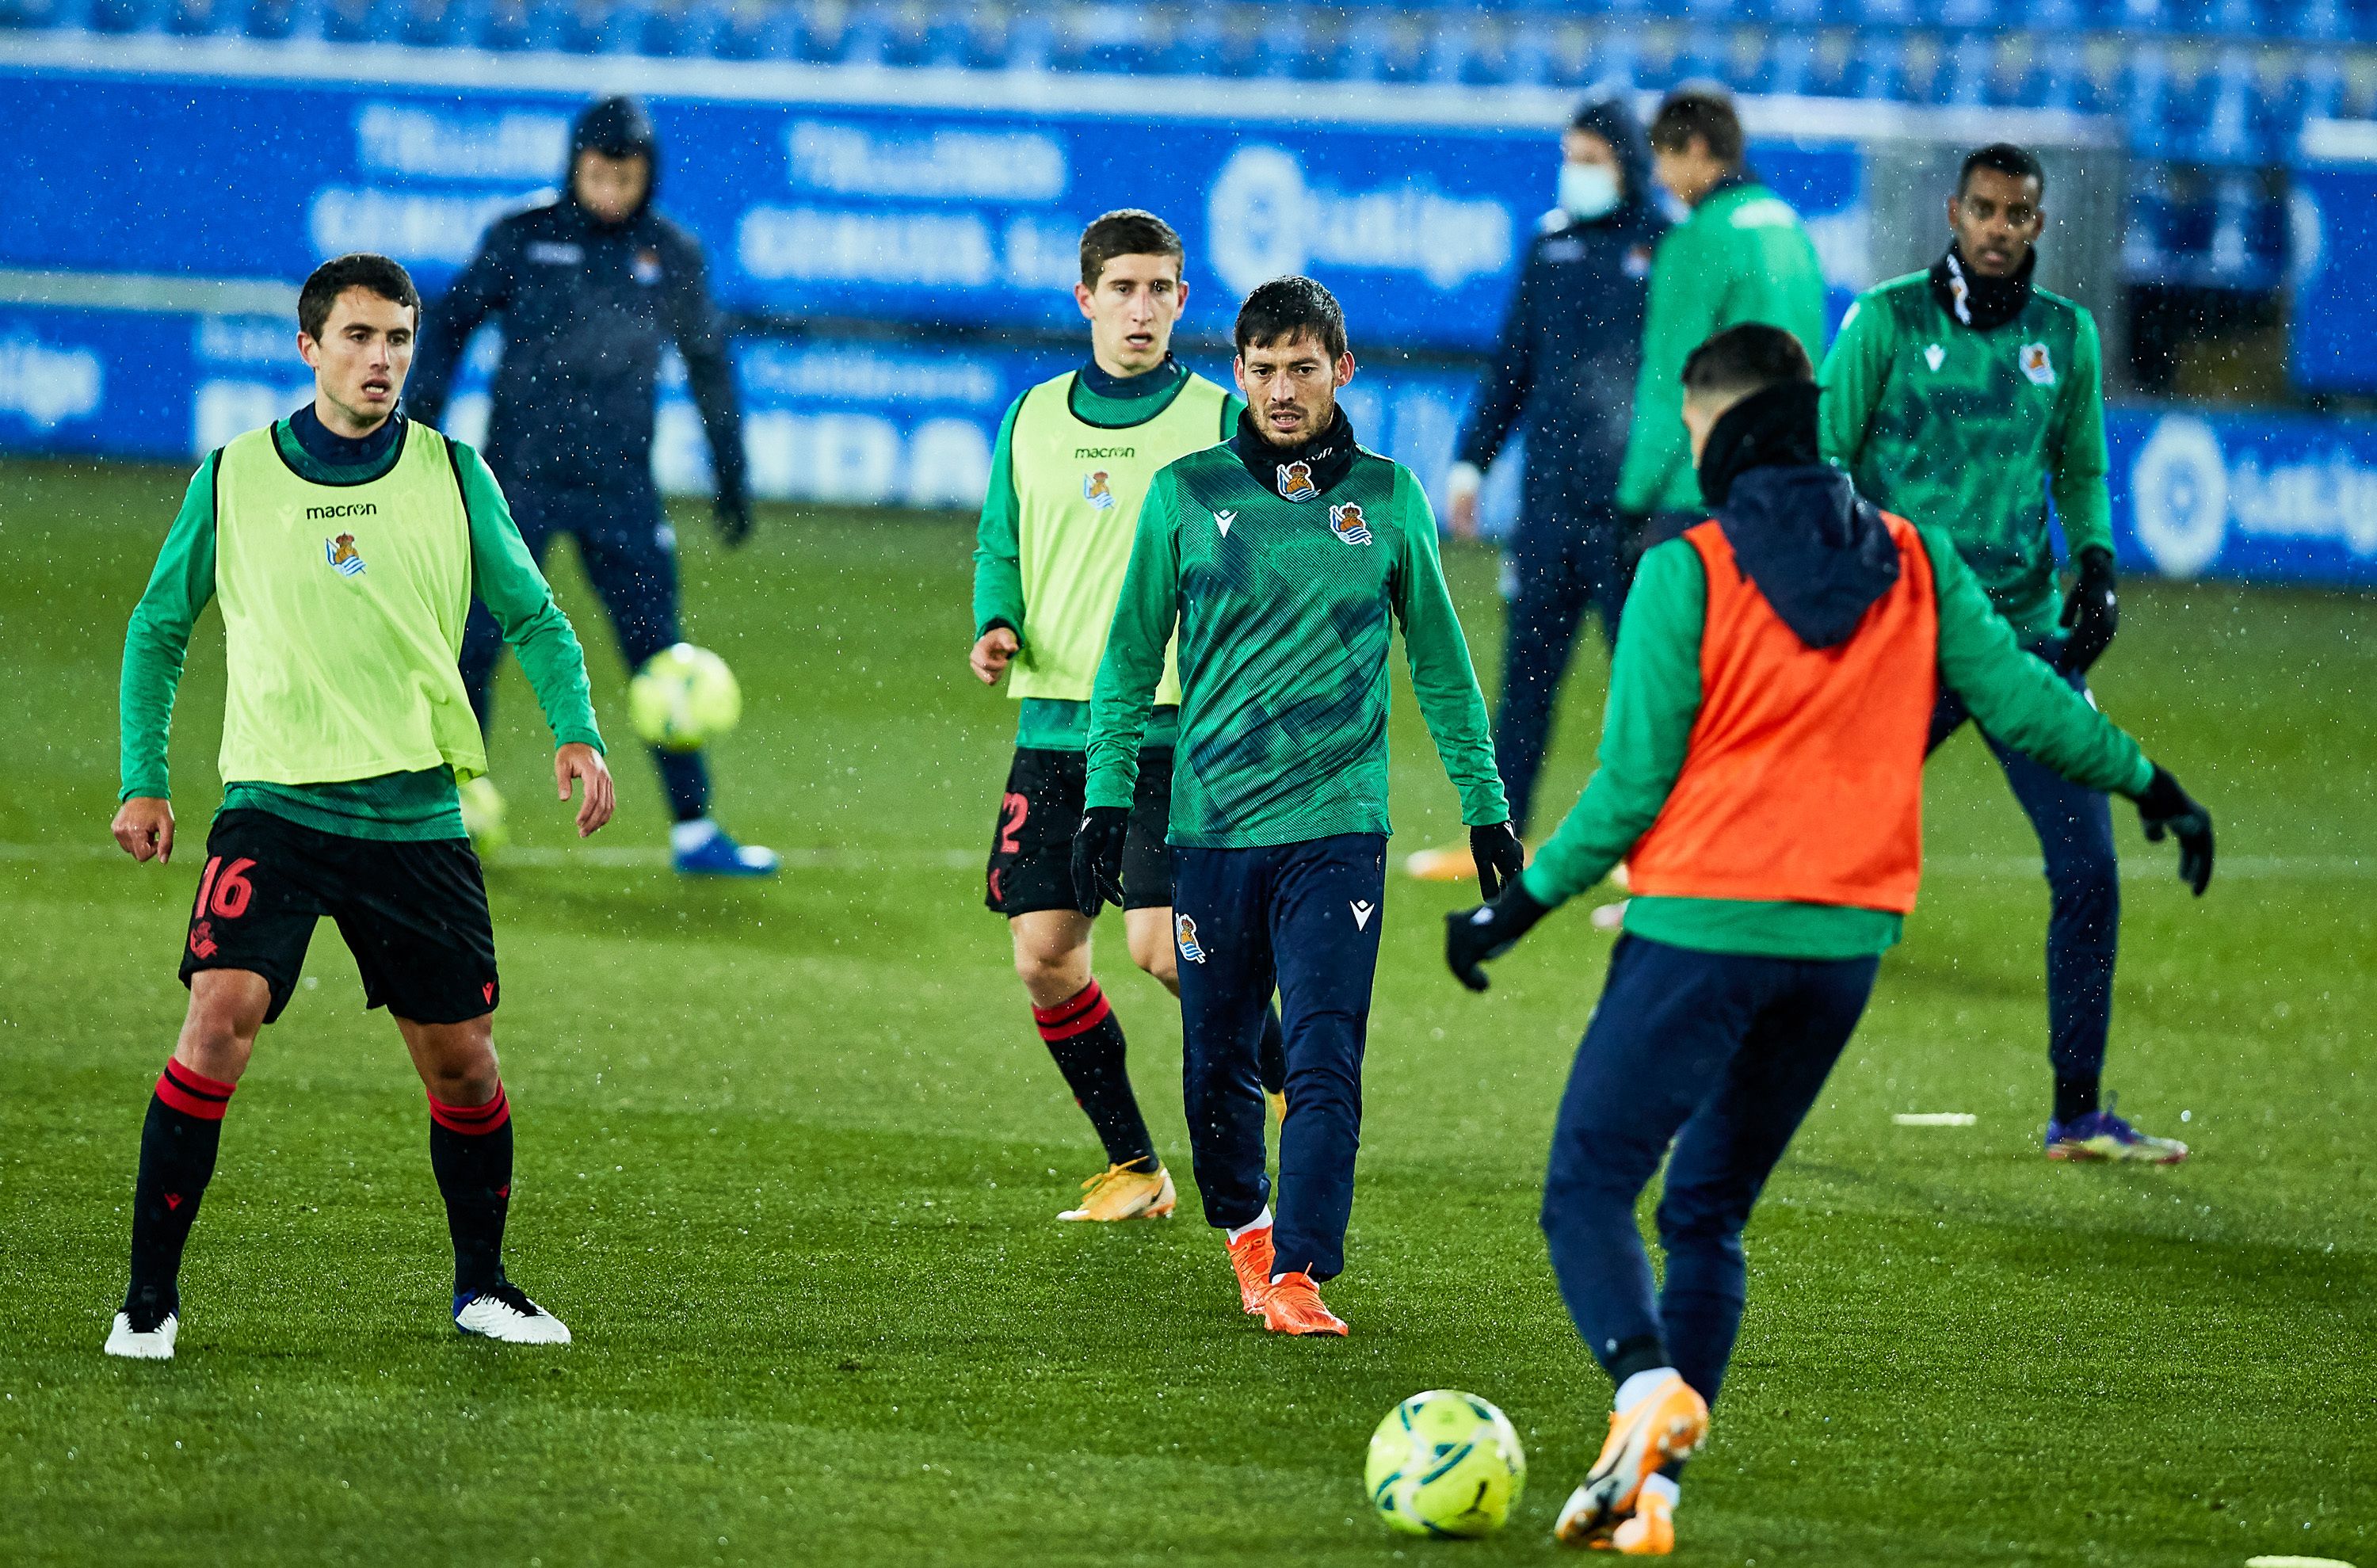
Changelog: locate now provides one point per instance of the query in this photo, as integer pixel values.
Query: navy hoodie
(586, 307)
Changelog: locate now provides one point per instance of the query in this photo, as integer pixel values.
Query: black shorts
(1032, 847)
(414, 914)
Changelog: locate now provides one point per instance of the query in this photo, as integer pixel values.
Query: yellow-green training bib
(1077, 490)
(343, 612)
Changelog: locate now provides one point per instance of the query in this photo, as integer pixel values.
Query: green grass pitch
(790, 1156)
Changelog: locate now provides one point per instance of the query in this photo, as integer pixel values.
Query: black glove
(2091, 614)
(732, 516)
(2167, 808)
(1097, 857)
(1473, 936)
(1499, 856)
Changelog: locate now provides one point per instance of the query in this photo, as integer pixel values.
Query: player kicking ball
(344, 545)
(1068, 478)
(1761, 764)
(1285, 557)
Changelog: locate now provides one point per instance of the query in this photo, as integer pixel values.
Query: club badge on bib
(1347, 522)
(2037, 365)
(341, 554)
(1098, 490)
(1296, 482)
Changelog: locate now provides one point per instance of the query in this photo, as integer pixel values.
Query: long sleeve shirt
(423, 804)
(1654, 698)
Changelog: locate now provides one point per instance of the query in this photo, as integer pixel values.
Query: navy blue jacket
(586, 309)
(1571, 346)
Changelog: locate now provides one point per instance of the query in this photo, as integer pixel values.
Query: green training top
(1655, 697)
(1065, 488)
(1282, 609)
(412, 806)
(1975, 430)
(1742, 256)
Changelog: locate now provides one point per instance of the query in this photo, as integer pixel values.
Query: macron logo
(1363, 910)
(1222, 520)
(349, 509)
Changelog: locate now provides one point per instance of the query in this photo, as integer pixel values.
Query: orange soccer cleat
(1250, 1258)
(1125, 1191)
(1293, 1305)
(1649, 1531)
(1667, 1423)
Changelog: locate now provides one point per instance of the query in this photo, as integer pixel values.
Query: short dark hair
(2006, 158)
(1127, 231)
(1701, 110)
(361, 269)
(1287, 308)
(1746, 359)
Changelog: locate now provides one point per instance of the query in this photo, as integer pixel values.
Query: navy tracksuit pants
(1563, 567)
(1303, 919)
(2074, 825)
(629, 553)
(1723, 1055)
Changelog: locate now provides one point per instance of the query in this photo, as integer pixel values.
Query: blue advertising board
(809, 209)
(2266, 498)
(2263, 497)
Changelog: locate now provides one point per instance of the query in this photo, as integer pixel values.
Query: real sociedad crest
(1296, 482)
(1185, 929)
(340, 554)
(2037, 365)
(1097, 490)
(1345, 521)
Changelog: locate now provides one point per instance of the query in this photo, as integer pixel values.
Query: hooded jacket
(1572, 342)
(586, 307)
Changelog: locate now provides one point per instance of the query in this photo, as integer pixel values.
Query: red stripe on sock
(192, 1094)
(471, 1121)
(1080, 1024)
(1072, 1006)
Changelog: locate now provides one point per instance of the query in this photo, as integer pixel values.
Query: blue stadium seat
(2061, 79)
(2138, 16)
(2148, 100)
(1959, 16)
(1198, 44)
(2236, 18)
(1369, 42)
(1618, 59)
(2316, 92)
(2320, 22)
(1878, 68)
(109, 16)
(1966, 75)
(1030, 43)
(2237, 121)
(683, 30)
(2058, 17)
(1529, 61)
(1791, 63)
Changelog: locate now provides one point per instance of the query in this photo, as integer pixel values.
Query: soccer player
(1761, 764)
(1967, 397)
(591, 287)
(1285, 556)
(344, 545)
(1071, 470)
(1571, 347)
(1742, 256)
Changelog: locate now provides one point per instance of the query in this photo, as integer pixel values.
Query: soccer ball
(683, 697)
(1445, 1463)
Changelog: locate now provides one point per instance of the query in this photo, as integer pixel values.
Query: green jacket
(1655, 696)
(1973, 431)
(1742, 256)
(414, 806)
(1285, 611)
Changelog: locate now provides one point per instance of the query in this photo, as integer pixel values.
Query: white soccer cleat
(137, 1345)
(505, 1313)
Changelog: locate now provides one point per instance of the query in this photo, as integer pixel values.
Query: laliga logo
(1296, 481)
(1347, 522)
(2179, 489)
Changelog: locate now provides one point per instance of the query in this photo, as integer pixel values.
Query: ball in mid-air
(1445, 1463)
(683, 697)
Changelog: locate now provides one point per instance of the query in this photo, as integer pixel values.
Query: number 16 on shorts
(223, 894)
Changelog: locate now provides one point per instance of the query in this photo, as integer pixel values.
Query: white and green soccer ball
(683, 697)
(1445, 1463)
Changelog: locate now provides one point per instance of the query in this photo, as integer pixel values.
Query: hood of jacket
(1610, 117)
(616, 127)
(1818, 552)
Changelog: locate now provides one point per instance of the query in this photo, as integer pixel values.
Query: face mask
(1588, 190)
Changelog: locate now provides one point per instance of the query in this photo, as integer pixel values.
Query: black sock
(1642, 1353)
(177, 1159)
(1271, 1058)
(471, 1151)
(2074, 1098)
(1086, 1040)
